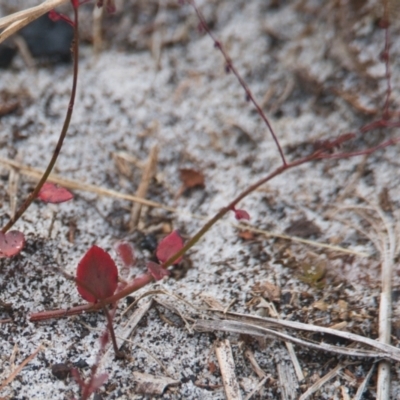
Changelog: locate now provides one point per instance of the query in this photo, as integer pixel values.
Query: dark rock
(49, 40)
(61, 371)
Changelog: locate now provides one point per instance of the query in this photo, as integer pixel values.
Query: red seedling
(11, 243)
(241, 214)
(92, 385)
(156, 270)
(97, 274)
(51, 193)
(125, 253)
(170, 245)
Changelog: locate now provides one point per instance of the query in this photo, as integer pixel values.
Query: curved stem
(33, 195)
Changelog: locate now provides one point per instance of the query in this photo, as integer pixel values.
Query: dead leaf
(191, 178)
(268, 291)
(150, 384)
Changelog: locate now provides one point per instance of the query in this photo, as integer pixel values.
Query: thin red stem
(230, 66)
(63, 134)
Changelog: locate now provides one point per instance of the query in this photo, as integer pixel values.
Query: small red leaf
(55, 16)
(125, 253)
(51, 193)
(241, 214)
(170, 245)
(156, 270)
(11, 243)
(98, 272)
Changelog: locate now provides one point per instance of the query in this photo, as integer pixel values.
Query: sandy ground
(314, 66)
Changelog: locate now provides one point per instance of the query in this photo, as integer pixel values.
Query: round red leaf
(51, 193)
(169, 246)
(98, 273)
(11, 243)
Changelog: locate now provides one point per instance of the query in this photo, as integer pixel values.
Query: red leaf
(51, 193)
(241, 214)
(11, 243)
(170, 245)
(125, 253)
(156, 270)
(98, 272)
(55, 16)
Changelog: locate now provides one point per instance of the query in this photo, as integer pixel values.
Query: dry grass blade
(249, 329)
(72, 184)
(256, 389)
(290, 349)
(383, 237)
(14, 22)
(288, 384)
(317, 385)
(13, 182)
(227, 367)
(392, 352)
(20, 367)
(362, 387)
(148, 173)
(388, 253)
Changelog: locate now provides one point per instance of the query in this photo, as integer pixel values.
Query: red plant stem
(33, 195)
(368, 151)
(231, 67)
(145, 279)
(381, 123)
(111, 330)
(135, 285)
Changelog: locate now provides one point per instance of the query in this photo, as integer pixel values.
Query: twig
(385, 308)
(317, 385)
(20, 367)
(287, 383)
(361, 388)
(290, 348)
(256, 389)
(148, 173)
(252, 325)
(254, 364)
(300, 326)
(13, 182)
(227, 368)
(96, 29)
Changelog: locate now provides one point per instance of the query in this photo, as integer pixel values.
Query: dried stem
(33, 195)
